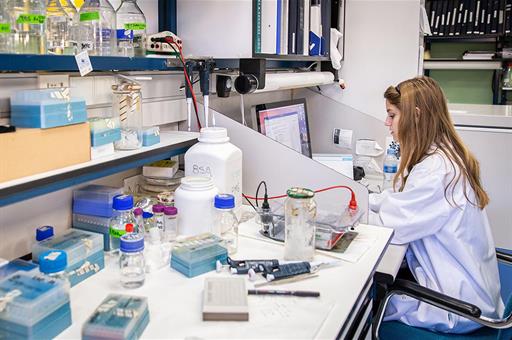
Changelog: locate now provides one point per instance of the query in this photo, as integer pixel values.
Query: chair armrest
(504, 257)
(432, 297)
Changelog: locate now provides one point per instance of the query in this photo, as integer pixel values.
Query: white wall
(381, 49)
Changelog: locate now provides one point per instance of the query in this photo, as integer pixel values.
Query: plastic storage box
(104, 130)
(198, 255)
(96, 224)
(151, 136)
(17, 265)
(95, 200)
(39, 307)
(118, 317)
(84, 250)
(46, 108)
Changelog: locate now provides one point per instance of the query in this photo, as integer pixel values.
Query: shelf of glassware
(172, 144)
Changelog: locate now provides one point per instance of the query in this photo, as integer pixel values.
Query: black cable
(258, 190)
(252, 205)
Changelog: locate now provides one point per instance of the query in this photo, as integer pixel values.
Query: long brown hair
(431, 126)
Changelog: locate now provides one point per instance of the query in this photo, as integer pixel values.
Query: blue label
(390, 168)
(125, 34)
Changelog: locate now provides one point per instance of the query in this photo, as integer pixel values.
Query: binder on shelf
(292, 26)
(278, 26)
(326, 27)
(471, 16)
(268, 26)
(508, 13)
(284, 27)
(436, 11)
(442, 25)
(453, 18)
(300, 27)
(315, 23)
(458, 23)
(476, 27)
(307, 13)
(501, 16)
(257, 26)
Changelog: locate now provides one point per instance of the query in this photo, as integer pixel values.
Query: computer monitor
(287, 123)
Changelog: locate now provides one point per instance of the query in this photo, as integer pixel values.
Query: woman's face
(392, 119)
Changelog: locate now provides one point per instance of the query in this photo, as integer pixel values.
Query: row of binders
(469, 17)
(292, 27)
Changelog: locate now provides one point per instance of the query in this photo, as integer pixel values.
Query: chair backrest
(505, 275)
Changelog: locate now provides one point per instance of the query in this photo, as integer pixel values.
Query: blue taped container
(151, 136)
(95, 200)
(46, 108)
(84, 253)
(104, 130)
(41, 309)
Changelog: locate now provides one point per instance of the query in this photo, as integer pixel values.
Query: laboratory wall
(381, 49)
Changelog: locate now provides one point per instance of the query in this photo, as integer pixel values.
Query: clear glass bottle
(131, 29)
(226, 223)
(139, 222)
(5, 28)
(61, 18)
(299, 221)
(97, 28)
(28, 26)
(148, 221)
(507, 77)
(170, 224)
(156, 255)
(131, 263)
(390, 168)
(53, 263)
(122, 205)
(127, 105)
(158, 215)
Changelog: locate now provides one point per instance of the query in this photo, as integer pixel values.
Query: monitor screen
(287, 123)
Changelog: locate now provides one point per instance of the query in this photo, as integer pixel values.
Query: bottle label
(135, 26)
(116, 233)
(5, 28)
(33, 19)
(390, 168)
(123, 34)
(89, 16)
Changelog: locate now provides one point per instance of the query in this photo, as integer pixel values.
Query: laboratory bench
(343, 309)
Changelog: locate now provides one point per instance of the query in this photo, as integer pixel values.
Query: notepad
(225, 299)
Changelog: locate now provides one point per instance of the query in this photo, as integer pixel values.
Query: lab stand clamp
(252, 75)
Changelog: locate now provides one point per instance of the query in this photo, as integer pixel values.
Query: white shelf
(172, 143)
(462, 65)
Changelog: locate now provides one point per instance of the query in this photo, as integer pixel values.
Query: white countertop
(481, 115)
(175, 301)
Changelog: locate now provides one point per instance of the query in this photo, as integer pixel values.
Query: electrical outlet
(53, 81)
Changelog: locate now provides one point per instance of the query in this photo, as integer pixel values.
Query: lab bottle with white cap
(214, 156)
(194, 200)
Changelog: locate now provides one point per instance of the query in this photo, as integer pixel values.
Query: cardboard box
(31, 151)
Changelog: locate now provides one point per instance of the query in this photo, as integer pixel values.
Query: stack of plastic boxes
(150, 136)
(197, 255)
(92, 209)
(46, 108)
(118, 317)
(84, 251)
(104, 132)
(37, 306)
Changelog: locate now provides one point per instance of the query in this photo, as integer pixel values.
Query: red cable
(352, 204)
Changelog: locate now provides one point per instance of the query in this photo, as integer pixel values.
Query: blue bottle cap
(224, 201)
(42, 233)
(146, 214)
(131, 243)
(53, 261)
(122, 202)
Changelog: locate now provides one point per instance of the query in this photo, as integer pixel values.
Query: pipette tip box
(196, 256)
(95, 200)
(84, 250)
(40, 308)
(118, 317)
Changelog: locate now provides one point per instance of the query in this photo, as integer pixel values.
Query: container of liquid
(5, 28)
(131, 263)
(28, 25)
(61, 27)
(97, 28)
(131, 29)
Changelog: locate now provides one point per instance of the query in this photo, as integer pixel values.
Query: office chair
(495, 329)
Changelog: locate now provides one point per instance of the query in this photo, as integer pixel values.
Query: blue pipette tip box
(118, 317)
(198, 255)
(40, 311)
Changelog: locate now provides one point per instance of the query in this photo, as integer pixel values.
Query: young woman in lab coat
(437, 207)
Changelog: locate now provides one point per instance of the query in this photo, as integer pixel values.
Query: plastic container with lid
(158, 213)
(38, 307)
(123, 205)
(194, 200)
(95, 200)
(127, 105)
(54, 263)
(96, 224)
(44, 232)
(170, 223)
(226, 223)
(214, 156)
(151, 136)
(131, 263)
(118, 317)
(84, 252)
(104, 130)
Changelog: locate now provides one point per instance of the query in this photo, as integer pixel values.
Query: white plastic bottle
(214, 156)
(390, 168)
(194, 199)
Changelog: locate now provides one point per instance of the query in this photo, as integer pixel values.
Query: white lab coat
(451, 249)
